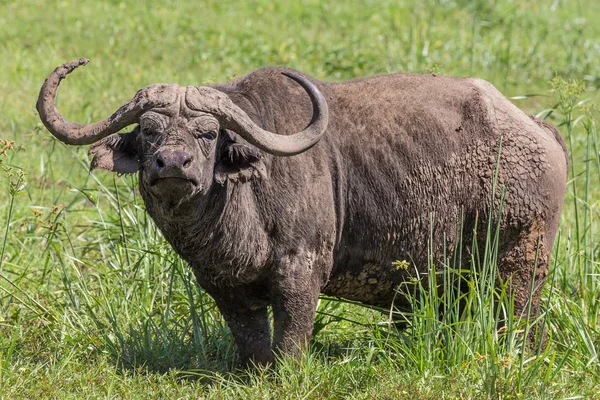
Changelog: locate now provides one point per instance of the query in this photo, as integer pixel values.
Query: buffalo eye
(148, 131)
(210, 135)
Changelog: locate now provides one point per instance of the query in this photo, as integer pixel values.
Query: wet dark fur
(404, 158)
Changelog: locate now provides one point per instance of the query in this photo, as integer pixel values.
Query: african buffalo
(358, 174)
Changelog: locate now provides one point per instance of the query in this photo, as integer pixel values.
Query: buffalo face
(179, 157)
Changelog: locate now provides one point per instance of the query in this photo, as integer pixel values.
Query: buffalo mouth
(172, 180)
(174, 189)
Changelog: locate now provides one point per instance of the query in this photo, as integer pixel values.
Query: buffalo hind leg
(523, 264)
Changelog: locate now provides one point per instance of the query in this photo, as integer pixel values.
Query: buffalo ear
(238, 161)
(116, 153)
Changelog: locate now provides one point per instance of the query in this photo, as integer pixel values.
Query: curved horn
(80, 134)
(283, 145)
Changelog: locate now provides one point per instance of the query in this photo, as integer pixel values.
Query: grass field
(94, 304)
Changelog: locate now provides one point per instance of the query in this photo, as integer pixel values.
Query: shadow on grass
(162, 345)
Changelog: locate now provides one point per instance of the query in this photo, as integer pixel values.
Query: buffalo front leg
(294, 296)
(249, 325)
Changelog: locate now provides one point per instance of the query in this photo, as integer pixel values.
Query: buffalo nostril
(173, 160)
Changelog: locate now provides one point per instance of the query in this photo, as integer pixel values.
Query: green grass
(94, 304)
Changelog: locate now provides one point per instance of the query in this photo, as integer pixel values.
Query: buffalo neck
(219, 234)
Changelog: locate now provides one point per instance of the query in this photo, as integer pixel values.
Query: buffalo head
(186, 138)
